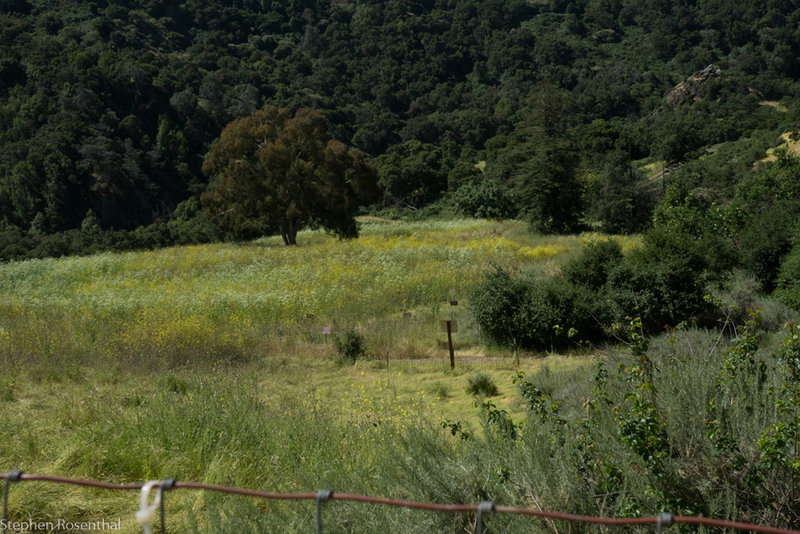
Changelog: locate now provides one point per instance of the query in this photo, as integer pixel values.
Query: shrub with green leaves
(764, 243)
(663, 282)
(788, 280)
(499, 303)
(482, 384)
(350, 346)
(546, 314)
(487, 199)
(590, 268)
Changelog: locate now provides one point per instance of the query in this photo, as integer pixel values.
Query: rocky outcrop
(688, 89)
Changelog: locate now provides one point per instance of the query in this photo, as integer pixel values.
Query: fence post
(450, 344)
(166, 485)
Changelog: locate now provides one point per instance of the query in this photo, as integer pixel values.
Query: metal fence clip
(484, 507)
(322, 496)
(664, 519)
(146, 512)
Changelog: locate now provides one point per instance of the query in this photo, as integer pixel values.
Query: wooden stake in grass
(450, 326)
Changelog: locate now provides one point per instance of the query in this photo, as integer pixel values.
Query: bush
(482, 384)
(499, 303)
(764, 243)
(591, 267)
(788, 280)
(350, 346)
(535, 314)
(487, 199)
(663, 282)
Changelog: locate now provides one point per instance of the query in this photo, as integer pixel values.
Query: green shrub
(482, 384)
(499, 303)
(663, 282)
(536, 314)
(350, 346)
(764, 243)
(590, 268)
(788, 280)
(486, 199)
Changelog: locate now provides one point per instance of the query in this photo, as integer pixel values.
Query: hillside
(109, 107)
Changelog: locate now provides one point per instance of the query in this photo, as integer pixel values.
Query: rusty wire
(609, 521)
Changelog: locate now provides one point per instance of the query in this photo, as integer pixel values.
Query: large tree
(274, 172)
(539, 165)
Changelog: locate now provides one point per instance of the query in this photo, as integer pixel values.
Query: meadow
(175, 306)
(210, 362)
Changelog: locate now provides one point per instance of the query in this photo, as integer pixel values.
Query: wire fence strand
(15, 476)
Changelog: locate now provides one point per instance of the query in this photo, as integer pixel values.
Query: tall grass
(192, 304)
(209, 363)
(277, 430)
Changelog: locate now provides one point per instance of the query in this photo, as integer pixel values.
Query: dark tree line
(110, 107)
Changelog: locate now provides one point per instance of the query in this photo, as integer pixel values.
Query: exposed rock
(689, 89)
(606, 36)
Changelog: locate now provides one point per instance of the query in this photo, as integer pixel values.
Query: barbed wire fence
(148, 508)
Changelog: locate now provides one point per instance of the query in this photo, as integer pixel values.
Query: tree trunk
(289, 232)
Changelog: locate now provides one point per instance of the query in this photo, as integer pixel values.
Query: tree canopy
(110, 106)
(274, 172)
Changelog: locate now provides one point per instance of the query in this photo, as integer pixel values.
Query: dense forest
(544, 110)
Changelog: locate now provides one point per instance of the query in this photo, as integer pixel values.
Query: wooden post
(450, 344)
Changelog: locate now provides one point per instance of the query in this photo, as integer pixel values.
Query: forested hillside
(108, 108)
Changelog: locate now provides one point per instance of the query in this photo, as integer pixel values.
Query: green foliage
(619, 199)
(481, 385)
(16, 244)
(110, 108)
(788, 279)
(486, 199)
(549, 191)
(663, 282)
(545, 180)
(277, 173)
(591, 266)
(498, 423)
(535, 314)
(764, 242)
(779, 444)
(499, 304)
(456, 428)
(411, 174)
(640, 424)
(351, 346)
(536, 401)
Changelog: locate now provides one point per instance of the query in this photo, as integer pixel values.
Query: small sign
(453, 325)
(406, 315)
(326, 330)
(453, 303)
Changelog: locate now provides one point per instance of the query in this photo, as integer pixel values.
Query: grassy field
(180, 305)
(209, 363)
